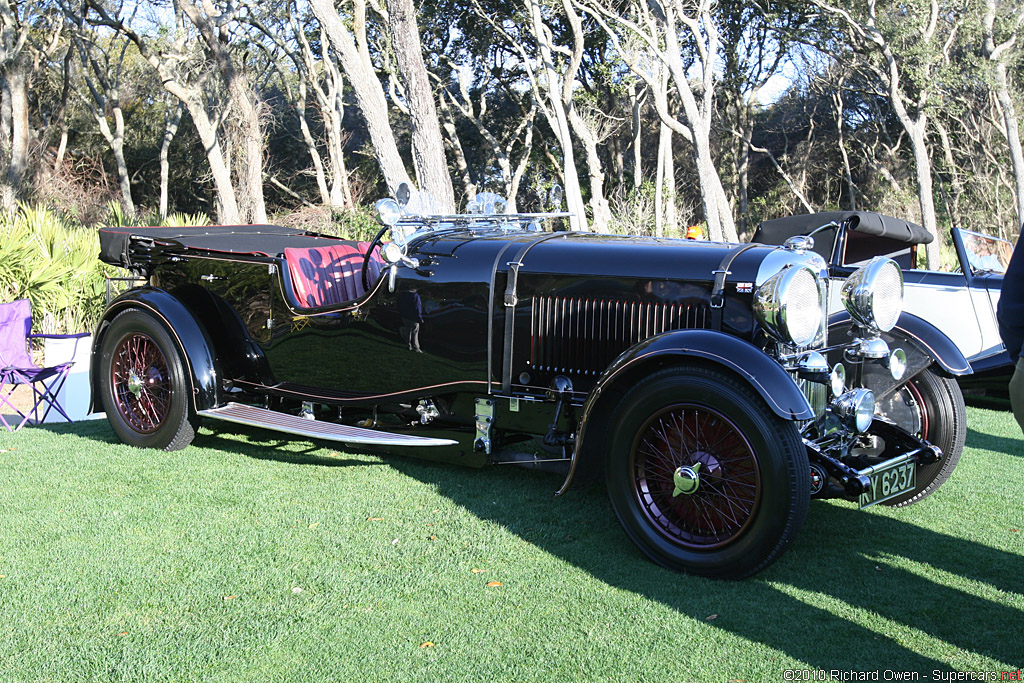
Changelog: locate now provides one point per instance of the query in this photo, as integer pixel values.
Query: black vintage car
(696, 378)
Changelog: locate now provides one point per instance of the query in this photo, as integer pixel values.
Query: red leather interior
(328, 275)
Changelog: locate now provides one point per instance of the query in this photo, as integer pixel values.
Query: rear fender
(188, 333)
(764, 375)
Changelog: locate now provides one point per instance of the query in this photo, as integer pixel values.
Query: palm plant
(53, 264)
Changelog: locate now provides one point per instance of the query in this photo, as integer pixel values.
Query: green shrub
(358, 224)
(54, 264)
(189, 219)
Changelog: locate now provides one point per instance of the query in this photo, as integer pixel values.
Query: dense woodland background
(653, 115)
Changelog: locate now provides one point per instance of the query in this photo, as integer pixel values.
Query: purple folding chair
(17, 368)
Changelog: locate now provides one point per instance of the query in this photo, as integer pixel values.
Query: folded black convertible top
(779, 230)
(256, 240)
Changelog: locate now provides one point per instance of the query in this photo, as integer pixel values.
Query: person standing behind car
(1010, 315)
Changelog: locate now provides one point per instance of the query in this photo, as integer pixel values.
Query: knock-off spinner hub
(134, 384)
(686, 479)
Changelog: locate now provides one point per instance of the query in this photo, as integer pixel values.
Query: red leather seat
(329, 275)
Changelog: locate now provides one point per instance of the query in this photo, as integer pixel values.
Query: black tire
(143, 383)
(754, 487)
(939, 416)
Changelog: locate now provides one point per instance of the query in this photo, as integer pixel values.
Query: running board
(315, 429)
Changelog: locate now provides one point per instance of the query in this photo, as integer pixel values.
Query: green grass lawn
(250, 558)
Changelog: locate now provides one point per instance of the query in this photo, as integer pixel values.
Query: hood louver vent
(585, 335)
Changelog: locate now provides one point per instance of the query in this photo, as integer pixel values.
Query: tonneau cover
(256, 240)
(779, 230)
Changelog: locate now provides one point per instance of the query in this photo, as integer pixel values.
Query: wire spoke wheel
(725, 499)
(144, 386)
(141, 383)
(702, 475)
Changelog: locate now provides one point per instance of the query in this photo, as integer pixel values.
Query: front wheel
(932, 407)
(703, 476)
(144, 386)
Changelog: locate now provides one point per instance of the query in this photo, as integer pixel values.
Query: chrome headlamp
(788, 304)
(856, 408)
(388, 212)
(874, 294)
(837, 379)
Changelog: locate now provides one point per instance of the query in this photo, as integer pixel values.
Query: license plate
(889, 479)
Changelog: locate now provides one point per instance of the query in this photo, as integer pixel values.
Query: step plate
(315, 429)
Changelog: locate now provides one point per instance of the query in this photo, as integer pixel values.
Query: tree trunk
(925, 197)
(954, 173)
(427, 143)
(671, 217)
(699, 115)
(1012, 137)
(636, 96)
(307, 137)
(455, 144)
(837, 101)
(558, 118)
(741, 154)
(517, 176)
(332, 109)
(251, 131)
(598, 201)
(227, 202)
(659, 187)
(246, 125)
(716, 207)
(62, 111)
(115, 138)
(16, 80)
(367, 89)
(171, 122)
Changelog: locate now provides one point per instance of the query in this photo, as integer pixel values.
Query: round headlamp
(788, 304)
(837, 380)
(388, 211)
(856, 408)
(874, 294)
(898, 364)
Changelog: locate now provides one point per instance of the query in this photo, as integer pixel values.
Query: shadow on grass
(840, 554)
(259, 444)
(263, 444)
(841, 557)
(996, 444)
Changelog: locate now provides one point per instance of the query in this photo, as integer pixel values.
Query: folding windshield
(986, 254)
(416, 214)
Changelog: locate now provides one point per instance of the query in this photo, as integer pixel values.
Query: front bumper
(840, 470)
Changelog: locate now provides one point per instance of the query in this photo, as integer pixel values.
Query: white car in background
(961, 304)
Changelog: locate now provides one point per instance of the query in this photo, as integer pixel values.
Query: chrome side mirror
(403, 194)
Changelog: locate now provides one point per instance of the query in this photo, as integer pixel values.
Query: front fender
(191, 337)
(910, 329)
(776, 386)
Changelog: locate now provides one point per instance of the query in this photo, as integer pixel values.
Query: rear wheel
(932, 407)
(144, 385)
(703, 476)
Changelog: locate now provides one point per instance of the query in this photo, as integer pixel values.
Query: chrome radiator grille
(816, 393)
(585, 335)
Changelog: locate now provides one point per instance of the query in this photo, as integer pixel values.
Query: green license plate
(889, 479)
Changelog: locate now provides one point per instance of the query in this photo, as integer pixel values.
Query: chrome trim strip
(366, 397)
